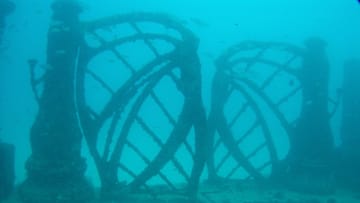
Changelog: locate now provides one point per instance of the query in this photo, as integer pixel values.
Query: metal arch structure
(180, 65)
(278, 65)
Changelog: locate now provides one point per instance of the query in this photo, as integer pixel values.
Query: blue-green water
(217, 24)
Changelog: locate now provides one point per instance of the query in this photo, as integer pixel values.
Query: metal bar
(228, 154)
(279, 70)
(147, 161)
(160, 144)
(260, 147)
(102, 83)
(171, 120)
(241, 111)
(286, 98)
(133, 175)
(116, 52)
(248, 132)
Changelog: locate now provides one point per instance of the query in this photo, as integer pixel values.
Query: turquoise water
(218, 25)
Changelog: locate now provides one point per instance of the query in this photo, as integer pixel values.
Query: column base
(312, 178)
(69, 192)
(56, 181)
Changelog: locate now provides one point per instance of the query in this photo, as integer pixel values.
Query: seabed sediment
(235, 193)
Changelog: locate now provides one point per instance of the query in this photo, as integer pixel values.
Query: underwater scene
(179, 101)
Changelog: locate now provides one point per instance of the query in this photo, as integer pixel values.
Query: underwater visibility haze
(246, 101)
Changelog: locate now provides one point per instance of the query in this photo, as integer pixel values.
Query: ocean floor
(239, 193)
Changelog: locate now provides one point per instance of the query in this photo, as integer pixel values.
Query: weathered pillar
(350, 126)
(196, 114)
(311, 154)
(55, 168)
(219, 95)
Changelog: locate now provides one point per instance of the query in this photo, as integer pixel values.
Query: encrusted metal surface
(138, 97)
(262, 82)
(136, 102)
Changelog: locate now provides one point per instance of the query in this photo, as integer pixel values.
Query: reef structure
(55, 169)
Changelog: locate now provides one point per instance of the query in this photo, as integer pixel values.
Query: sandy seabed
(238, 193)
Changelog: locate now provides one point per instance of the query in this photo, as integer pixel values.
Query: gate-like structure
(138, 95)
(256, 102)
(138, 101)
(151, 108)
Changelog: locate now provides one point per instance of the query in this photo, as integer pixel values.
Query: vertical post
(311, 150)
(55, 168)
(350, 126)
(192, 87)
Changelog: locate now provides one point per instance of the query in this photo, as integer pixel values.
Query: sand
(240, 193)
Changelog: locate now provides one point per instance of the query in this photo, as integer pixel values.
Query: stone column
(311, 153)
(349, 166)
(55, 168)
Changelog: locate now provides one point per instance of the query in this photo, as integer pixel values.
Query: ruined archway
(256, 103)
(139, 105)
(164, 67)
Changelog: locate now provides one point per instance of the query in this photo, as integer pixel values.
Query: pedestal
(55, 169)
